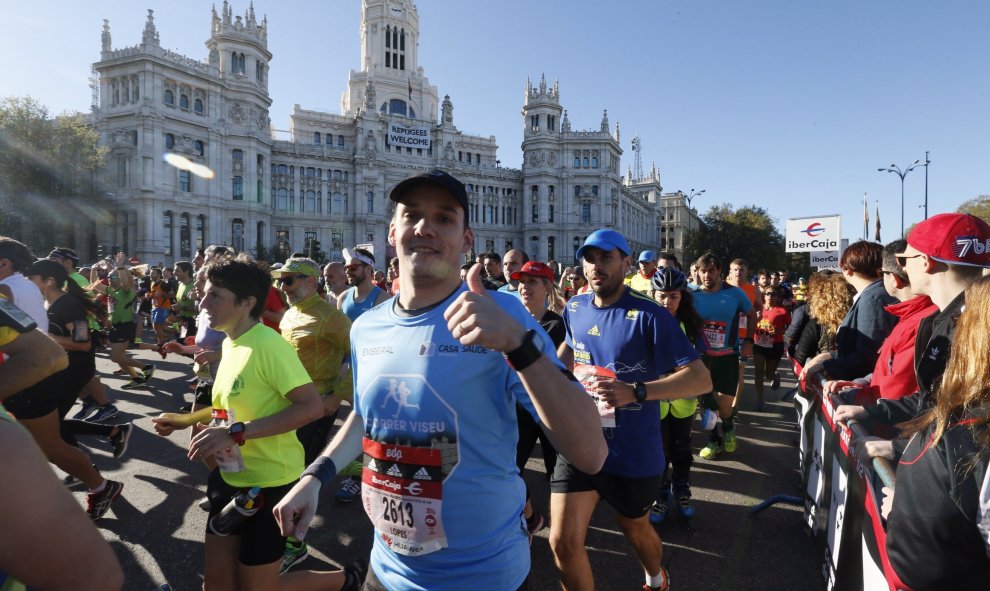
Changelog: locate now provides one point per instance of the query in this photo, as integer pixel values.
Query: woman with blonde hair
(544, 300)
(829, 299)
(939, 526)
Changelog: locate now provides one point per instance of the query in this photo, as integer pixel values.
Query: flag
(877, 238)
(866, 219)
(410, 88)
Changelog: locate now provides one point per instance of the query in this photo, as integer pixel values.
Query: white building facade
(324, 184)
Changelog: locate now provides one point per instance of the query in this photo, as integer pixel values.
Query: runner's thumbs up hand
(475, 319)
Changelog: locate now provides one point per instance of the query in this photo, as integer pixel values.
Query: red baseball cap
(534, 268)
(953, 238)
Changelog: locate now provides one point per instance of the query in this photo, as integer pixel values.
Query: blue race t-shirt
(638, 340)
(440, 481)
(719, 311)
(507, 289)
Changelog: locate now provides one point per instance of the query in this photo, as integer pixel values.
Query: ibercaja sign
(813, 234)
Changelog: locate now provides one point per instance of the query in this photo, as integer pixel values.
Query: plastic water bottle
(244, 504)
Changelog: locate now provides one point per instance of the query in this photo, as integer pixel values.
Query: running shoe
(105, 412)
(87, 409)
(99, 503)
(666, 582)
(119, 441)
(350, 488)
(684, 506)
(147, 371)
(711, 450)
(354, 575)
(729, 441)
(135, 384)
(533, 525)
(295, 552)
(658, 511)
(775, 382)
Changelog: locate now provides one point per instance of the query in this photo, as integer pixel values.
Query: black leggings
(677, 445)
(529, 433)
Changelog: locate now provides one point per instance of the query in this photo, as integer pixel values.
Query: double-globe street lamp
(902, 173)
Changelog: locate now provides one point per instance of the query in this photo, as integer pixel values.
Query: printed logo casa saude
(429, 349)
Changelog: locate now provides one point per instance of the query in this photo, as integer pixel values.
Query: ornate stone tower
(239, 48)
(542, 179)
(390, 60)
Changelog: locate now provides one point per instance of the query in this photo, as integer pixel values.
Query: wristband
(525, 354)
(322, 469)
(640, 389)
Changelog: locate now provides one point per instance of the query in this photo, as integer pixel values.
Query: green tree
(978, 206)
(748, 232)
(49, 188)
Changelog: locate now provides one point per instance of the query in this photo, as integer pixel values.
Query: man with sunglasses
(359, 267)
(945, 254)
(320, 334)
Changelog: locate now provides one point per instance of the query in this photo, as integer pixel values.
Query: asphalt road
(157, 529)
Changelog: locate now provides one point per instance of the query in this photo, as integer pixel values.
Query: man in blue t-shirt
(719, 304)
(630, 353)
(438, 371)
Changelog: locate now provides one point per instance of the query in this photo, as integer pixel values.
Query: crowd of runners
(454, 371)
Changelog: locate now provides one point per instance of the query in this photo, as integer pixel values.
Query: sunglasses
(290, 279)
(902, 259)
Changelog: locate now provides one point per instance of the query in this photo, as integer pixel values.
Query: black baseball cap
(434, 177)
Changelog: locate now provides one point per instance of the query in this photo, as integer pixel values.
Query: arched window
(283, 169)
(311, 201)
(371, 202)
(337, 175)
(292, 199)
(329, 139)
(336, 207)
(340, 142)
(283, 200)
(594, 162)
(577, 162)
(388, 37)
(199, 147)
(585, 161)
(316, 138)
(169, 141)
(310, 171)
(402, 40)
(594, 190)
(238, 188)
(577, 190)
(397, 107)
(237, 155)
(586, 213)
(169, 97)
(183, 101)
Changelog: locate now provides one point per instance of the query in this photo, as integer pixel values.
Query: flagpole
(866, 219)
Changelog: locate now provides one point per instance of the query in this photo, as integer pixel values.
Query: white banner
(813, 234)
(408, 137)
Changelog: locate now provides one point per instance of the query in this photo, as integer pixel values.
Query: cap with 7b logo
(953, 238)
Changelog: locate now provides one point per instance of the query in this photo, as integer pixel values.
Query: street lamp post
(901, 173)
(692, 195)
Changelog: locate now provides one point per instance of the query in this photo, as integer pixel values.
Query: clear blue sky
(788, 105)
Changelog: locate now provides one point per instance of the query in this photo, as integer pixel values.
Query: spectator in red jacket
(893, 375)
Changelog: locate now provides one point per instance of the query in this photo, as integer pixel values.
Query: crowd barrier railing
(841, 494)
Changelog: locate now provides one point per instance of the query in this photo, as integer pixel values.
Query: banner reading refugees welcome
(404, 136)
(813, 234)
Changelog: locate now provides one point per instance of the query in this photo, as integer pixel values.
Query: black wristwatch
(525, 354)
(236, 432)
(640, 389)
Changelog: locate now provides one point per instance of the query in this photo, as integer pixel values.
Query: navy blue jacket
(861, 333)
